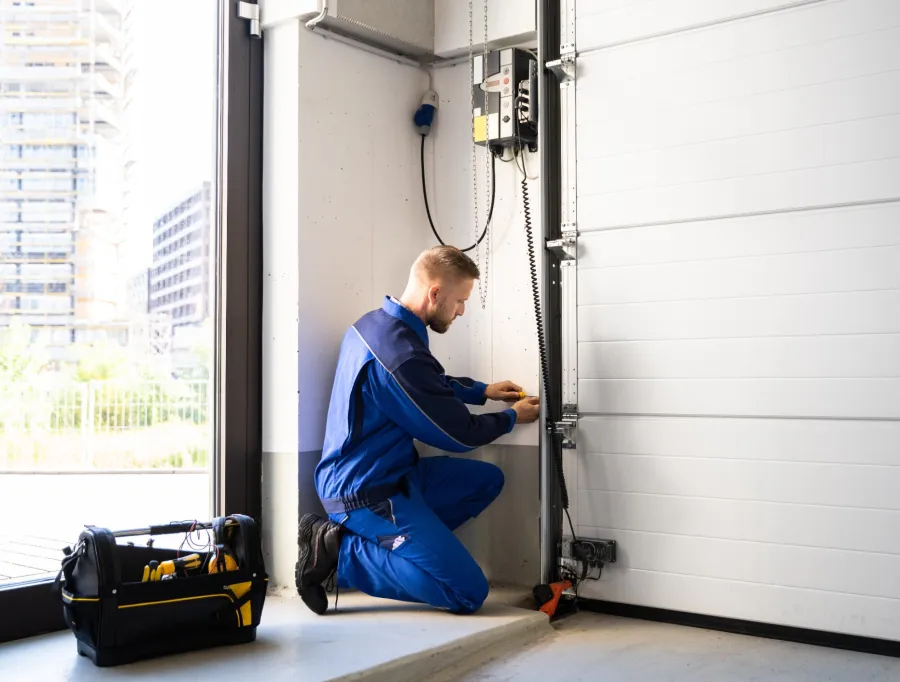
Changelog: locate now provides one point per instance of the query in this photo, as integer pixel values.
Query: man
(391, 514)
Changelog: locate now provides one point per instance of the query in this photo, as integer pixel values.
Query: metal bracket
(565, 426)
(565, 248)
(250, 12)
(564, 67)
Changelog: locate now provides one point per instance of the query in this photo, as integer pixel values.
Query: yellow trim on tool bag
(245, 613)
(68, 596)
(172, 601)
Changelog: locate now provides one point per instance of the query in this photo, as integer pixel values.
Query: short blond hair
(446, 262)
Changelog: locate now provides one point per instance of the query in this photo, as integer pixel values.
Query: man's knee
(493, 480)
(469, 597)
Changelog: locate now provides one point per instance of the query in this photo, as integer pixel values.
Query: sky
(174, 115)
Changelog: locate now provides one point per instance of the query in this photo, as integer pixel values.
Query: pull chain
(482, 288)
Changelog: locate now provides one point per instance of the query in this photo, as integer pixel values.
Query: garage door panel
(738, 312)
(783, 233)
(813, 25)
(792, 357)
(874, 312)
(740, 117)
(813, 609)
(602, 23)
(763, 563)
(853, 142)
(797, 190)
(840, 528)
(810, 398)
(609, 91)
(790, 274)
(835, 485)
(779, 440)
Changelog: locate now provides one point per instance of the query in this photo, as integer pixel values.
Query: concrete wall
(343, 220)
(343, 223)
(500, 341)
(281, 298)
(509, 22)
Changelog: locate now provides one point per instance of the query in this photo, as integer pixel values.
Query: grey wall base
(505, 539)
(283, 503)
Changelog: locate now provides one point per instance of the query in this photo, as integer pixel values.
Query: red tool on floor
(548, 597)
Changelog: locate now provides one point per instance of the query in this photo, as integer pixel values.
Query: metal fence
(106, 425)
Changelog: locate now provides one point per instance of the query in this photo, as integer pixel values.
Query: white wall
(500, 341)
(360, 218)
(281, 300)
(509, 22)
(343, 222)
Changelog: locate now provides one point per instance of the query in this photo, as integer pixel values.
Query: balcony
(79, 50)
(102, 26)
(68, 76)
(115, 8)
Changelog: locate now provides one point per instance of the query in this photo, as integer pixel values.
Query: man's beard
(440, 326)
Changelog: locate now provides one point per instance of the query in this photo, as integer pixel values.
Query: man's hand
(528, 410)
(506, 391)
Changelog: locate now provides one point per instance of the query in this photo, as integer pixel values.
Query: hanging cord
(542, 343)
(428, 209)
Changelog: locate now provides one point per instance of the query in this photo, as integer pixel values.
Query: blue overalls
(401, 511)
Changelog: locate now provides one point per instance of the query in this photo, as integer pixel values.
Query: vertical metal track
(548, 29)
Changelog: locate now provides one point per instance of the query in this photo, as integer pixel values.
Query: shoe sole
(315, 599)
(313, 595)
(305, 540)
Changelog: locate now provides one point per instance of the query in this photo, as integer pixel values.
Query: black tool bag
(117, 618)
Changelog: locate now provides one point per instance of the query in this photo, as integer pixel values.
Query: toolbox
(125, 601)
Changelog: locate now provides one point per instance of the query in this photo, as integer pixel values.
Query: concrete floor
(594, 647)
(366, 639)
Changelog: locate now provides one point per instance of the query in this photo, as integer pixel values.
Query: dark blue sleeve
(418, 398)
(468, 390)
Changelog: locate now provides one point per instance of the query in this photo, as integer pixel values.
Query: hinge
(565, 248)
(250, 12)
(565, 427)
(564, 67)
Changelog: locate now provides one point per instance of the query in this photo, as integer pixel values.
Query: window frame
(236, 476)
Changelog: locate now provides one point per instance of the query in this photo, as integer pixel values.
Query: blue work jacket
(389, 390)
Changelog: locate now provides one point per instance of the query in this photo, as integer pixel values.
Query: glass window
(47, 271)
(47, 304)
(51, 241)
(102, 391)
(47, 184)
(47, 212)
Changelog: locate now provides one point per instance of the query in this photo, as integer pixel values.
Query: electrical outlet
(593, 552)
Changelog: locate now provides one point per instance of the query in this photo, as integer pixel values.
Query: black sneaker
(319, 542)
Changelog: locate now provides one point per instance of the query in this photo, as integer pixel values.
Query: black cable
(428, 209)
(542, 344)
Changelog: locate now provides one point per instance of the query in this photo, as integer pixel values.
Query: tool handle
(174, 527)
(169, 528)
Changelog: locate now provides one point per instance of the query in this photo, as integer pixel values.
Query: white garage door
(738, 209)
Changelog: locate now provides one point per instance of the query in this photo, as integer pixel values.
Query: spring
(542, 344)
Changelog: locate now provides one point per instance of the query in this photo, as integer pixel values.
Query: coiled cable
(542, 343)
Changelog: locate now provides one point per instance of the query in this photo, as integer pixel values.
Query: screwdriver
(170, 567)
